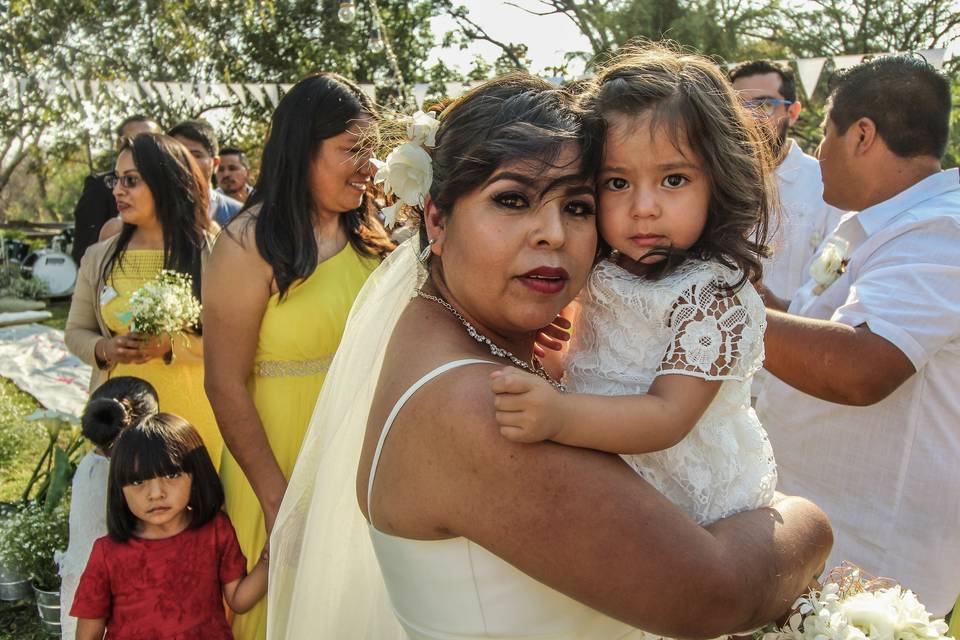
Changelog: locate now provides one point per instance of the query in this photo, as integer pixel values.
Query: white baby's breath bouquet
(164, 305)
(851, 606)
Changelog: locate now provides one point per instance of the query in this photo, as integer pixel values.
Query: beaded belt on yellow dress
(291, 368)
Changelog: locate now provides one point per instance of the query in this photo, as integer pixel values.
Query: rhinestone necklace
(536, 369)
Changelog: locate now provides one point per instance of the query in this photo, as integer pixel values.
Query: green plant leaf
(59, 480)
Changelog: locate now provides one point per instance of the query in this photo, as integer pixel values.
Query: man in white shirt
(802, 219)
(865, 414)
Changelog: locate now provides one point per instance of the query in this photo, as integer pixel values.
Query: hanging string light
(376, 43)
(383, 37)
(347, 12)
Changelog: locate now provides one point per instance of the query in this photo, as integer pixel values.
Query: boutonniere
(827, 266)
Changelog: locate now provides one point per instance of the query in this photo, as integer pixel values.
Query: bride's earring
(425, 253)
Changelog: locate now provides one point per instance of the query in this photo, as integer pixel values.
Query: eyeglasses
(127, 182)
(766, 106)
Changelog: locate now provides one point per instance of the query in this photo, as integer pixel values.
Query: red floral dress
(169, 589)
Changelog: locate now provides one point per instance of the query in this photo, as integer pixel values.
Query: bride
(461, 533)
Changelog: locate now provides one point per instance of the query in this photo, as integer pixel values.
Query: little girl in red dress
(171, 558)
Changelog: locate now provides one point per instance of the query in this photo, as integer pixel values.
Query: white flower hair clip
(407, 172)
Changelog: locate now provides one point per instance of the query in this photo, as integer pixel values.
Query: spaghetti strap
(396, 409)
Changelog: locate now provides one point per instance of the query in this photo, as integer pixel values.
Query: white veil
(324, 577)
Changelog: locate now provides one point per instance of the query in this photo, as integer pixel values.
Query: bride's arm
(587, 525)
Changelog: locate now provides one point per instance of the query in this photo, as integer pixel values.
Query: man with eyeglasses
(97, 205)
(864, 412)
(770, 92)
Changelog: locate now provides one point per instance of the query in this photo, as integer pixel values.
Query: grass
(59, 308)
(23, 444)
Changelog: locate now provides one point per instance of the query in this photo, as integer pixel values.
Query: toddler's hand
(526, 404)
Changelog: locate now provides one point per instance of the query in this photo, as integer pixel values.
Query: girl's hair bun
(103, 421)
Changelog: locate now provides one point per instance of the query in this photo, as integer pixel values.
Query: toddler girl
(171, 558)
(671, 330)
(115, 405)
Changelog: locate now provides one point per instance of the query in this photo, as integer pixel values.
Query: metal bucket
(48, 605)
(13, 586)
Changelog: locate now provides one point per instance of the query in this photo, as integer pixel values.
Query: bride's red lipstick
(545, 279)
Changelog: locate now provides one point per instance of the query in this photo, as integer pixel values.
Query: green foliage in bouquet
(30, 538)
(164, 305)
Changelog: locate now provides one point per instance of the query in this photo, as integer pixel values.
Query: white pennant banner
(237, 90)
(187, 92)
(271, 90)
(934, 57)
(220, 90)
(809, 71)
(420, 93)
(162, 90)
(840, 63)
(256, 90)
(50, 86)
(173, 88)
(146, 88)
(132, 90)
(71, 86)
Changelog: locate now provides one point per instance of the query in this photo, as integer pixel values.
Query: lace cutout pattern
(715, 334)
(631, 330)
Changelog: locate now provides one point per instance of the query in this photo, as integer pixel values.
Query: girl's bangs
(146, 459)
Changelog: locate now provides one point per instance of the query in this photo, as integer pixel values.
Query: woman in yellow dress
(277, 294)
(162, 202)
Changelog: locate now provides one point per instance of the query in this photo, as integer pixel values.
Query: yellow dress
(954, 631)
(298, 337)
(179, 384)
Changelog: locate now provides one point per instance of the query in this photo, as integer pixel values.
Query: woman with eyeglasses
(162, 200)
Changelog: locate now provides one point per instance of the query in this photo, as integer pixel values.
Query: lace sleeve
(717, 334)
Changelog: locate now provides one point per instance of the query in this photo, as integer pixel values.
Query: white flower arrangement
(828, 265)
(851, 607)
(408, 170)
(164, 305)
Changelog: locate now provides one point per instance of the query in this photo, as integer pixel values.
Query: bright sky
(548, 37)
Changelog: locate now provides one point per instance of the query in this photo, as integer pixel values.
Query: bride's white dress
(456, 590)
(632, 329)
(333, 575)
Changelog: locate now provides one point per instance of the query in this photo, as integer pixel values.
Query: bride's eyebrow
(572, 184)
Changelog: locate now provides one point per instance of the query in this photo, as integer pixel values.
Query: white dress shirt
(801, 223)
(888, 475)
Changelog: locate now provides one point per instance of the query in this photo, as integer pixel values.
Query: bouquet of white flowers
(164, 305)
(851, 606)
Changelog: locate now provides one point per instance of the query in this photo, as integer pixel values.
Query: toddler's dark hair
(691, 99)
(160, 445)
(113, 406)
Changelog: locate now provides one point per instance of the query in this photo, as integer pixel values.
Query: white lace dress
(632, 330)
